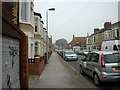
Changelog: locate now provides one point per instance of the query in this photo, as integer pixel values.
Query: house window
(35, 28)
(36, 48)
(99, 38)
(118, 33)
(109, 36)
(77, 42)
(113, 34)
(23, 10)
(93, 39)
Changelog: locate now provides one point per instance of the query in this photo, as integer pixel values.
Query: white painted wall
(29, 12)
(29, 20)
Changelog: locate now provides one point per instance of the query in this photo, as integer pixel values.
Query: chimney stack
(96, 30)
(107, 24)
(87, 34)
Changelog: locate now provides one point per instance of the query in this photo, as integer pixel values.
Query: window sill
(25, 22)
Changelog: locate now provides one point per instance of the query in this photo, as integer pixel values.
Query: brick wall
(24, 62)
(10, 11)
(37, 67)
(7, 10)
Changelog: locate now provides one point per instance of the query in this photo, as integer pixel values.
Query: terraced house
(26, 23)
(24, 43)
(42, 36)
(37, 34)
(14, 48)
(110, 31)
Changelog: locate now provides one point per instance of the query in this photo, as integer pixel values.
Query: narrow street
(60, 74)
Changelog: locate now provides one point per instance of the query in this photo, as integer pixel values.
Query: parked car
(63, 52)
(102, 66)
(70, 55)
(60, 52)
(84, 52)
(80, 52)
(111, 45)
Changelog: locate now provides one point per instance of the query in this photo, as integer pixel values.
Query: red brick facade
(37, 67)
(77, 41)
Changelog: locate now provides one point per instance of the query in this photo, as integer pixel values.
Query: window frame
(86, 57)
(25, 9)
(97, 59)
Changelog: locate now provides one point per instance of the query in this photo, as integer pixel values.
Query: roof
(114, 25)
(44, 28)
(100, 31)
(108, 28)
(79, 38)
(38, 14)
(42, 22)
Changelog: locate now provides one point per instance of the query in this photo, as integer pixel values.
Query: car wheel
(97, 80)
(81, 71)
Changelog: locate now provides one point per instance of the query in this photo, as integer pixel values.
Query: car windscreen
(69, 52)
(112, 58)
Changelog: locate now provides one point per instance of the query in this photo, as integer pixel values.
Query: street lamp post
(50, 9)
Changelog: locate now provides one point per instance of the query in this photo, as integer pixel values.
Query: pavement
(59, 74)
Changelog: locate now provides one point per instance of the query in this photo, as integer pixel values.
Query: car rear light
(102, 61)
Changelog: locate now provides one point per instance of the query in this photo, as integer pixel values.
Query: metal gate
(10, 63)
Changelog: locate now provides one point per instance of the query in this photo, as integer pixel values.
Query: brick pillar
(24, 62)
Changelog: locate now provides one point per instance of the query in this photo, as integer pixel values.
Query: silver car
(102, 66)
(70, 55)
(85, 52)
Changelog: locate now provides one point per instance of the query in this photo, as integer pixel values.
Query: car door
(85, 63)
(88, 65)
(93, 62)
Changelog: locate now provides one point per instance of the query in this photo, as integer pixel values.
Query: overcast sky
(78, 18)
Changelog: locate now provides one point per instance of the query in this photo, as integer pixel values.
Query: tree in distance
(62, 43)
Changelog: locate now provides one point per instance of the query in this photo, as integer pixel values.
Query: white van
(76, 49)
(111, 45)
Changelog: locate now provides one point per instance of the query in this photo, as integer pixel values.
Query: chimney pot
(107, 24)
